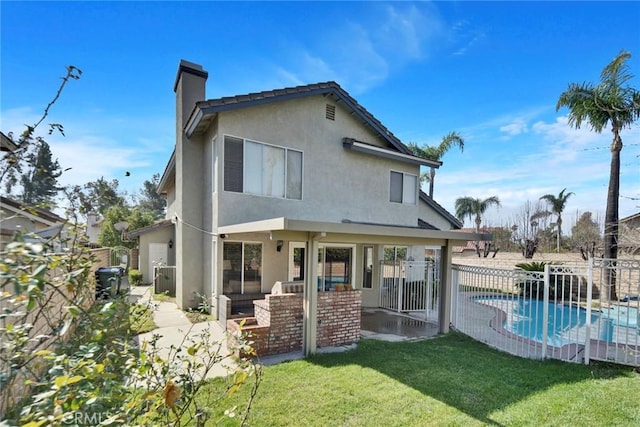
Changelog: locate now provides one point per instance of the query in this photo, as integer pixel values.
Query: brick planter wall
(283, 314)
(338, 318)
(277, 326)
(258, 336)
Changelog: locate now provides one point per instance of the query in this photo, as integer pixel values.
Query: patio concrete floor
(389, 326)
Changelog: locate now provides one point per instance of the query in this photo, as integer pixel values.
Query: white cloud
(463, 37)
(407, 30)
(516, 128)
(548, 158)
(360, 52)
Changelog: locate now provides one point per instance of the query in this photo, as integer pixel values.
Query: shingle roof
(424, 224)
(630, 218)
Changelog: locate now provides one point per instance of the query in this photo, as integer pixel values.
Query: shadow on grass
(463, 373)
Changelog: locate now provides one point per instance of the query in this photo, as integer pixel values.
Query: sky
(491, 71)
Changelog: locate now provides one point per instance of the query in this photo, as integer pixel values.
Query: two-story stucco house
(298, 184)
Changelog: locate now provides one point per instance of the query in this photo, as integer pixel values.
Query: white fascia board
(193, 121)
(383, 152)
(364, 230)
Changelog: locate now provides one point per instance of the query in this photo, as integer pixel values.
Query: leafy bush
(560, 285)
(66, 359)
(532, 266)
(135, 277)
(533, 287)
(82, 367)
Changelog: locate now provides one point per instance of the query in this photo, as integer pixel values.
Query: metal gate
(410, 286)
(120, 256)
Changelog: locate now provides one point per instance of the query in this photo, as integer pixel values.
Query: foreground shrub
(135, 277)
(67, 359)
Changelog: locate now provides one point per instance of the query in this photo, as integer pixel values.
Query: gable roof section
(31, 212)
(455, 222)
(331, 88)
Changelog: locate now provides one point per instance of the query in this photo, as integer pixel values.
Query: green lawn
(450, 381)
(141, 319)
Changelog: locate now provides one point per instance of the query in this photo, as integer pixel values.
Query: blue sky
(491, 71)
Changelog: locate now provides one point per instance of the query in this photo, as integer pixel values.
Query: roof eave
(349, 229)
(169, 172)
(363, 147)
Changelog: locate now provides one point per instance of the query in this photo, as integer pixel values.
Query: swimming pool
(566, 324)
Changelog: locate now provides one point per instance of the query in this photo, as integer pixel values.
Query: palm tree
(557, 205)
(612, 102)
(436, 153)
(470, 207)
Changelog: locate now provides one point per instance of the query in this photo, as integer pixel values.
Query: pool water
(525, 317)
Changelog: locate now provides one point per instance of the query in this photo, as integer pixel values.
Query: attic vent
(331, 112)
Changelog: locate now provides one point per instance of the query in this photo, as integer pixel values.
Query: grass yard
(141, 319)
(447, 381)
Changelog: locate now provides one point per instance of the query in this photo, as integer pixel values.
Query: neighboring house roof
(149, 228)
(630, 218)
(31, 212)
(455, 222)
(471, 244)
(6, 144)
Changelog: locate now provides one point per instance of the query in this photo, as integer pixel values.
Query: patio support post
(444, 317)
(310, 314)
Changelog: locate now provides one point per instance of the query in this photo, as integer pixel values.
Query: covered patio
(364, 245)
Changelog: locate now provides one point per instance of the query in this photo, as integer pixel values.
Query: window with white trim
(367, 267)
(403, 188)
(253, 167)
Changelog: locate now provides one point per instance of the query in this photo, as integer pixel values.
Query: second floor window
(404, 188)
(267, 170)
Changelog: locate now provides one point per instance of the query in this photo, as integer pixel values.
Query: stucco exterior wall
(428, 214)
(171, 200)
(338, 184)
